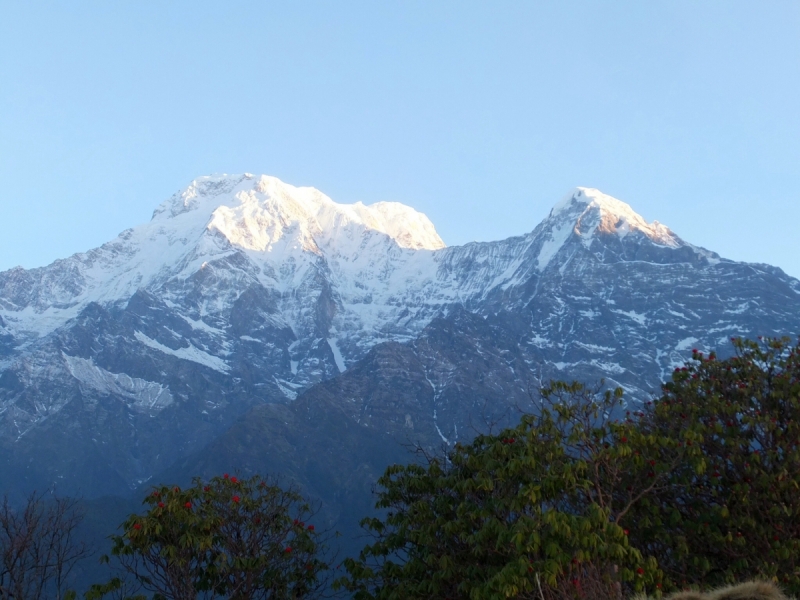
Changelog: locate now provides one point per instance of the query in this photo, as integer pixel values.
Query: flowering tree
(532, 512)
(704, 481)
(731, 509)
(229, 537)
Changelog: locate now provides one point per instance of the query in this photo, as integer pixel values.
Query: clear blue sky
(480, 114)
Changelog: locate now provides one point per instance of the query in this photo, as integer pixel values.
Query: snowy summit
(597, 211)
(243, 291)
(255, 212)
(378, 261)
(333, 279)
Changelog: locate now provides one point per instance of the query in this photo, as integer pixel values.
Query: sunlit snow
(384, 266)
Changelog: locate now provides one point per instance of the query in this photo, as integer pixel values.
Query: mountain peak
(250, 210)
(593, 211)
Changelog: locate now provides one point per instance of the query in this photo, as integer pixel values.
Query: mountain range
(258, 326)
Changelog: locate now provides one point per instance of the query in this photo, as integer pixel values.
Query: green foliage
(535, 505)
(731, 509)
(226, 537)
(700, 487)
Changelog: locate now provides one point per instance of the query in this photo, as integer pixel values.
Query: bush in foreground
(731, 509)
(528, 513)
(228, 537)
(700, 487)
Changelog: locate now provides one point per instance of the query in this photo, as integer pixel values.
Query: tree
(237, 538)
(39, 548)
(531, 512)
(731, 509)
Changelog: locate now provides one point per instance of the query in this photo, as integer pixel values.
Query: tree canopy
(529, 511)
(731, 506)
(700, 486)
(227, 537)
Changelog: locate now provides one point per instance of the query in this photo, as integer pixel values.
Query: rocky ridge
(246, 294)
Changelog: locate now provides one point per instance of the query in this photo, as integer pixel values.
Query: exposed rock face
(248, 303)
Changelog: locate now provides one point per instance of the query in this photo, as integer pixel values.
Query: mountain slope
(244, 292)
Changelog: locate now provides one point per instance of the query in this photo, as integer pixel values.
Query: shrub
(536, 505)
(731, 510)
(703, 481)
(238, 538)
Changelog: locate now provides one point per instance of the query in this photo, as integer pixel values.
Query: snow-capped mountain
(244, 292)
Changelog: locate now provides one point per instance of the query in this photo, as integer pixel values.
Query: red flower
(205, 489)
(233, 480)
(640, 571)
(625, 531)
(188, 505)
(137, 526)
(295, 522)
(160, 505)
(311, 528)
(235, 498)
(225, 476)
(624, 440)
(176, 489)
(156, 494)
(288, 549)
